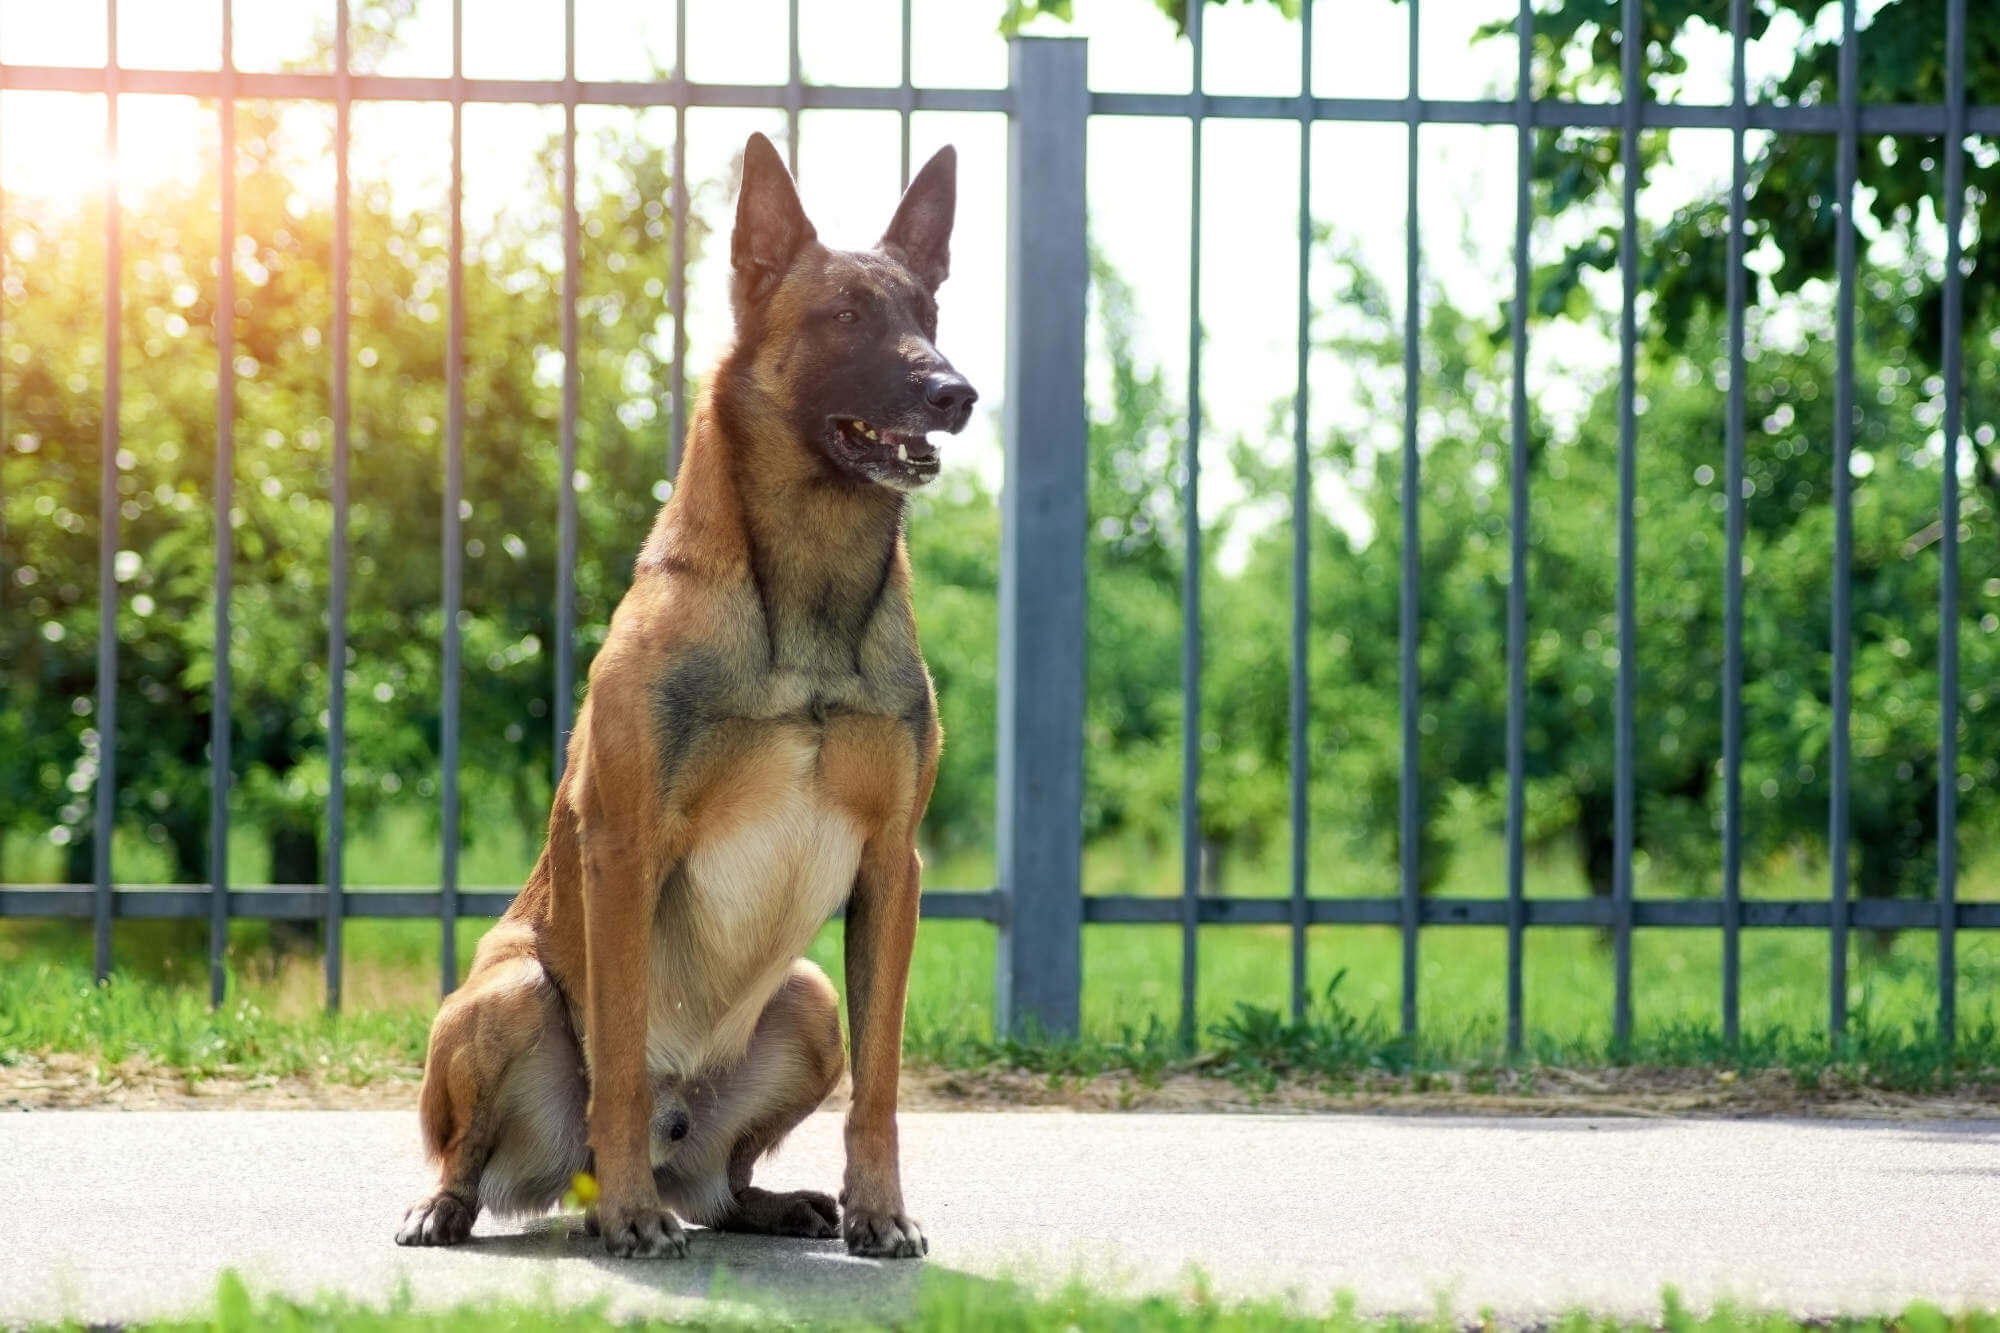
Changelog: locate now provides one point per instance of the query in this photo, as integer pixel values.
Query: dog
(757, 745)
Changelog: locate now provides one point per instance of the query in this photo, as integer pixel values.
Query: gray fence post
(1043, 515)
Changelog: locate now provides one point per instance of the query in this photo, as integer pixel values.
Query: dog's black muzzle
(950, 397)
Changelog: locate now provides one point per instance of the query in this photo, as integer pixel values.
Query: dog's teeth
(903, 453)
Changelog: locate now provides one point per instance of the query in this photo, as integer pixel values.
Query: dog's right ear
(771, 225)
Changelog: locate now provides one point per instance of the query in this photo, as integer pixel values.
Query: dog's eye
(846, 316)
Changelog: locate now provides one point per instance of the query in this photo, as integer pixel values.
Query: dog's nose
(951, 394)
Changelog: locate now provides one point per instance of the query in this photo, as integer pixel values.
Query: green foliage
(1793, 178)
(1572, 654)
(1572, 649)
(952, 1302)
(1133, 554)
(155, 1009)
(282, 516)
(281, 529)
(55, 1007)
(1327, 1040)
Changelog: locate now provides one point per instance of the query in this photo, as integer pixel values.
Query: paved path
(111, 1215)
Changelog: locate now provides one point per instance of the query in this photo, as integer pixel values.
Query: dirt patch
(58, 1082)
(1539, 1092)
(80, 1082)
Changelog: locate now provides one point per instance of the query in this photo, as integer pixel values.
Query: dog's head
(842, 344)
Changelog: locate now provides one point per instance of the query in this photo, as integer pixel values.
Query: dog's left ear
(771, 226)
(919, 236)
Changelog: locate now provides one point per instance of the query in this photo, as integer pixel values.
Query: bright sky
(1139, 168)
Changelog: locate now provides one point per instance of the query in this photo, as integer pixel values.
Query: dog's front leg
(881, 931)
(620, 891)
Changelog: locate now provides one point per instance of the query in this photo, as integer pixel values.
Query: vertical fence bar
(1517, 509)
(225, 544)
(336, 671)
(1628, 635)
(1408, 831)
(1191, 569)
(1043, 516)
(565, 699)
(5, 573)
(909, 97)
(677, 280)
(1732, 574)
(1843, 528)
(107, 522)
(454, 536)
(1301, 518)
(1954, 404)
(794, 87)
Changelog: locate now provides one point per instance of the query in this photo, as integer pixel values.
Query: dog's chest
(775, 854)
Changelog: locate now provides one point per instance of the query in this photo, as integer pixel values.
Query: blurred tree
(1572, 648)
(50, 368)
(1793, 177)
(1792, 229)
(282, 515)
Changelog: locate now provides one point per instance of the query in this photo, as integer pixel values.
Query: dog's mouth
(902, 459)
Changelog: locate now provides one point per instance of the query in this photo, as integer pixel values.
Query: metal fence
(1039, 905)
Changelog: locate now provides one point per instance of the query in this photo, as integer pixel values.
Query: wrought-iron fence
(1039, 905)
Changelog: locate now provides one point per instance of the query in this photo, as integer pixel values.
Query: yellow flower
(582, 1191)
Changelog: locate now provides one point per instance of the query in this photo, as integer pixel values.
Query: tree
(282, 517)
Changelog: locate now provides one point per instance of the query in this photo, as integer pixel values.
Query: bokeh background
(52, 176)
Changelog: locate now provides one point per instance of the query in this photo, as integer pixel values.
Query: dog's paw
(442, 1219)
(883, 1235)
(649, 1232)
(813, 1214)
(805, 1213)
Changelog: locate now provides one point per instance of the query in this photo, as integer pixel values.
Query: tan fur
(758, 745)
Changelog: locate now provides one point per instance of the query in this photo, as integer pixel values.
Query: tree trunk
(1596, 840)
(295, 859)
(79, 861)
(1211, 867)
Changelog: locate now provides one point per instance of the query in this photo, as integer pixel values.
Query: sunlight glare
(63, 162)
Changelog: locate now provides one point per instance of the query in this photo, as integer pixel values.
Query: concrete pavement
(108, 1216)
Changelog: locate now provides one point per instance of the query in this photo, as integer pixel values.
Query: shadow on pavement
(805, 1277)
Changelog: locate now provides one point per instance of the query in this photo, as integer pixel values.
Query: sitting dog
(757, 747)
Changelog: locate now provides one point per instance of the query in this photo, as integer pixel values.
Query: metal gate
(1039, 906)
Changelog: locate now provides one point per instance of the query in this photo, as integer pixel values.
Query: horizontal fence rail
(1039, 906)
(307, 902)
(1925, 118)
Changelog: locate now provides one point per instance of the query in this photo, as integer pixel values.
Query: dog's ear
(919, 236)
(771, 226)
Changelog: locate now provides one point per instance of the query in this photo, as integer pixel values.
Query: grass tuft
(48, 1008)
(958, 1303)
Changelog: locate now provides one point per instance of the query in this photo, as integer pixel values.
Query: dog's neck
(752, 502)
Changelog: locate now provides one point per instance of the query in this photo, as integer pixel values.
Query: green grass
(956, 1303)
(156, 1005)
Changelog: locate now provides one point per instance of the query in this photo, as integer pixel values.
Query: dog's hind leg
(793, 1062)
(501, 1106)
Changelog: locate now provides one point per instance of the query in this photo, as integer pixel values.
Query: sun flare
(54, 147)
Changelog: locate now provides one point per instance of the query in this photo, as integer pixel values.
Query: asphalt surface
(109, 1216)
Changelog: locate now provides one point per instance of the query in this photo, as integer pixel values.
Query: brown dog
(758, 745)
